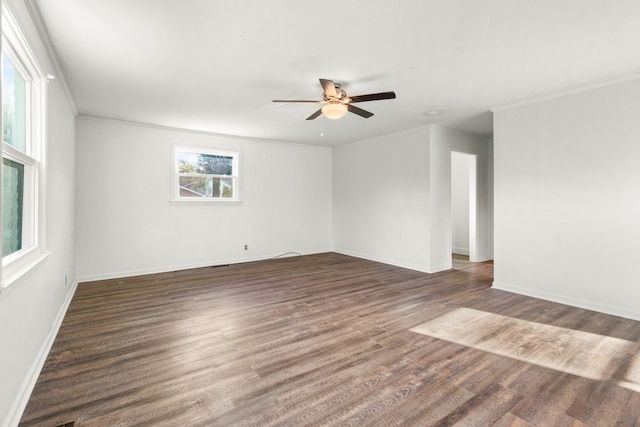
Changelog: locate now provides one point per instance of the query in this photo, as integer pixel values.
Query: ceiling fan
(337, 103)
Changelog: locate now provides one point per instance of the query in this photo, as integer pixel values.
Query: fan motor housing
(342, 95)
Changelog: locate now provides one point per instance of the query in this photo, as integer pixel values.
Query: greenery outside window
(202, 175)
(12, 205)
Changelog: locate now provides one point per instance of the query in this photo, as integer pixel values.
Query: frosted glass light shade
(334, 111)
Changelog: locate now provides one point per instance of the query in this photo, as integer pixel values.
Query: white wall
(567, 199)
(391, 197)
(32, 307)
(460, 202)
(380, 199)
(126, 225)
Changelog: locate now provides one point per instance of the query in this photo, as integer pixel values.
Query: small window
(205, 175)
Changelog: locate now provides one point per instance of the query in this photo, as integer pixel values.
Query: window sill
(20, 267)
(200, 202)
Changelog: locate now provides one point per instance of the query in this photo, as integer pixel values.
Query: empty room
(279, 212)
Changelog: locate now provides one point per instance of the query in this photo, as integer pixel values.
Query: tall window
(205, 175)
(22, 139)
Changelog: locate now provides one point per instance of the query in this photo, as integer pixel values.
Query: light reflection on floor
(585, 354)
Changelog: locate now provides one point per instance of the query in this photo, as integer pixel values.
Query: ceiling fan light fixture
(334, 111)
(337, 103)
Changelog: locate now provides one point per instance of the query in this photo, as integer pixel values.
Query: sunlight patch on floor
(585, 354)
(632, 376)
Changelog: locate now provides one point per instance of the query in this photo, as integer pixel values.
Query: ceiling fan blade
(359, 111)
(314, 115)
(297, 100)
(373, 97)
(329, 88)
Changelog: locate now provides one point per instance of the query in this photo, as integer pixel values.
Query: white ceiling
(215, 65)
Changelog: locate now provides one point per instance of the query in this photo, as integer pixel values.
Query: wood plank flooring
(331, 340)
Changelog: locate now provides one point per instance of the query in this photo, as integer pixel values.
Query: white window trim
(15, 46)
(175, 198)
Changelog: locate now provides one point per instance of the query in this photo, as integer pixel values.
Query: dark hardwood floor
(332, 340)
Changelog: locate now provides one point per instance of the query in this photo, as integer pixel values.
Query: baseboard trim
(460, 251)
(410, 266)
(179, 267)
(22, 398)
(563, 299)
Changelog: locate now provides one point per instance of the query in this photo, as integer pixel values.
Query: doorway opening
(463, 209)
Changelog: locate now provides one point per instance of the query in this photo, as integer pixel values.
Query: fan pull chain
(321, 126)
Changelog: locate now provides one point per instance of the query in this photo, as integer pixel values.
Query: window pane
(193, 186)
(204, 163)
(12, 202)
(222, 187)
(14, 109)
(200, 186)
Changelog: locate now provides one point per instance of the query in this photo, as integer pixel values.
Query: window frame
(33, 250)
(176, 199)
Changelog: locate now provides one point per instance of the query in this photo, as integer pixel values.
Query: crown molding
(565, 91)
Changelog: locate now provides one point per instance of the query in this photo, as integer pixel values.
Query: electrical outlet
(246, 247)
